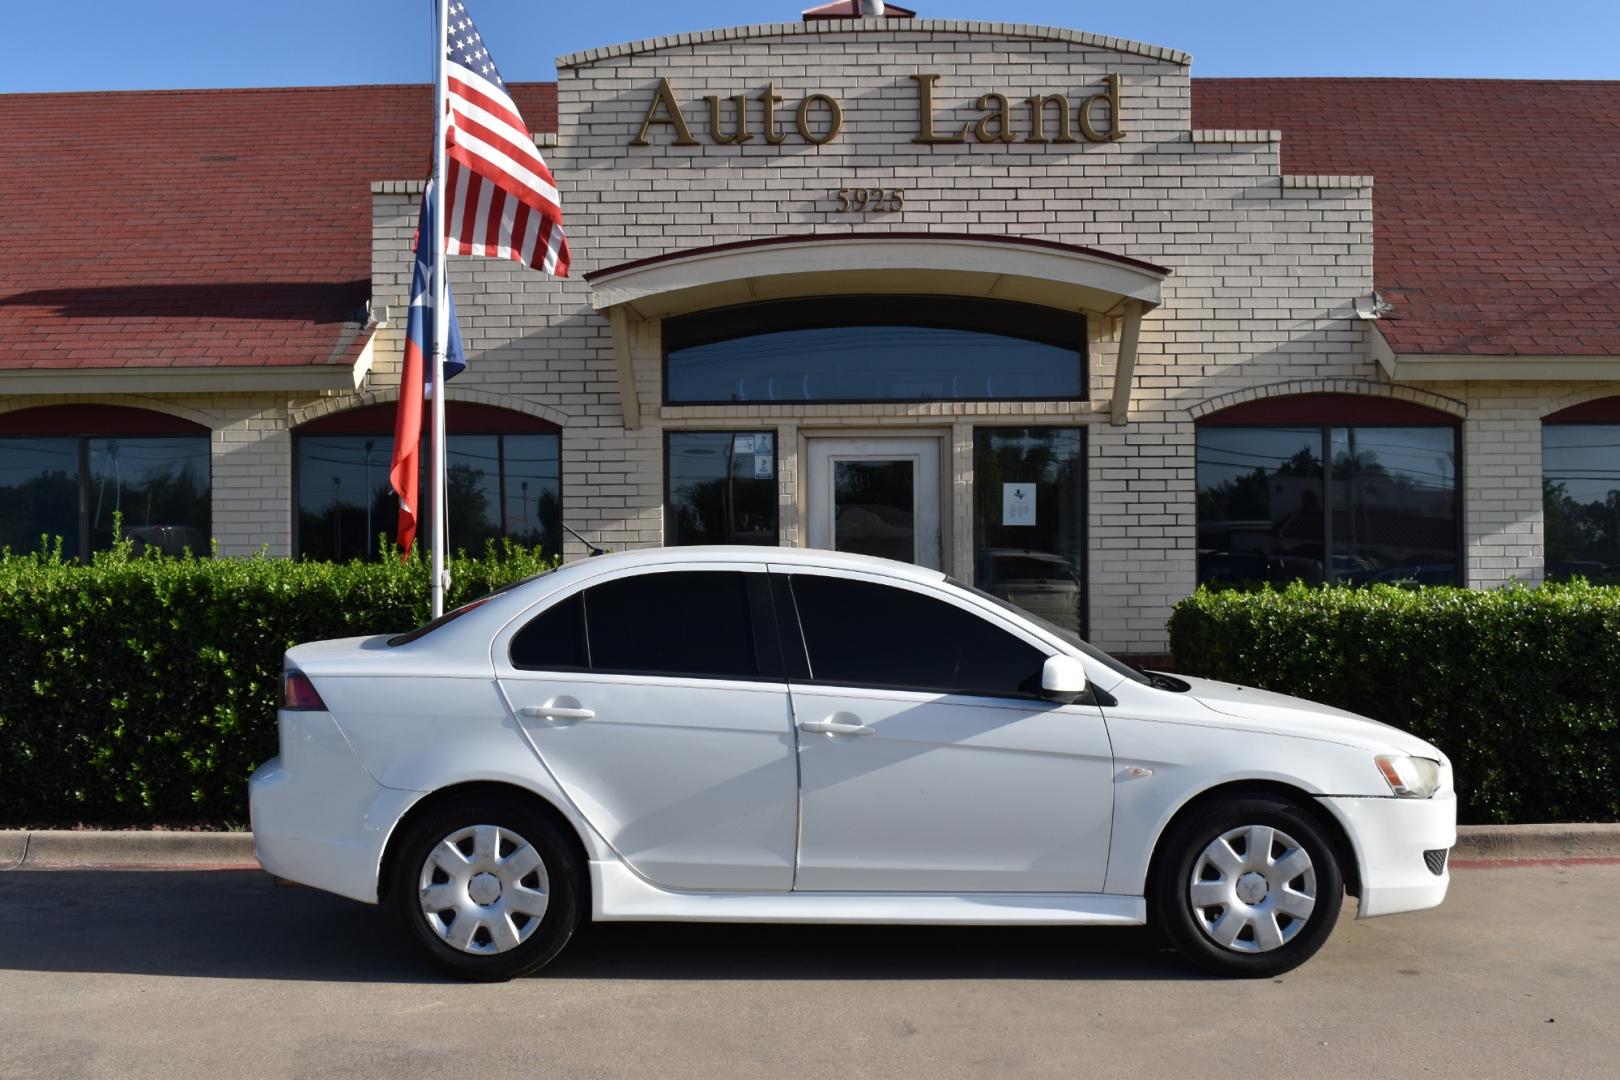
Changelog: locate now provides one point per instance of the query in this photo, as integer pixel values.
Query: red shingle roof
(200, 228)
(233, 227)
(1496, 203)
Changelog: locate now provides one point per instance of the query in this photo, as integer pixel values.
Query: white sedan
(786, 735)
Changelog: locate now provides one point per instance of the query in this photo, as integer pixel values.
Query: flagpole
(441, 322)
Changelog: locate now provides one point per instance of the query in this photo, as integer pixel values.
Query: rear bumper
(1390, 837)
(318, 817)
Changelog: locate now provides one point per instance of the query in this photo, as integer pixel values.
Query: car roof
(742, 553)
(470, 634)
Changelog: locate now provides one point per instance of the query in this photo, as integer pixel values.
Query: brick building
(1030, 305)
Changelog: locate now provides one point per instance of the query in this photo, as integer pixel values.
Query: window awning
(1044, 272)
(1068, 277)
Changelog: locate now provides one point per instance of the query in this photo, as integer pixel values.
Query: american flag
(500, 199)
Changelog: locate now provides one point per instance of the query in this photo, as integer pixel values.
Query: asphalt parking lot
(223, 974)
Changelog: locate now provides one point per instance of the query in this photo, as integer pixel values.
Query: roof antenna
(592, 548)
(871, 9)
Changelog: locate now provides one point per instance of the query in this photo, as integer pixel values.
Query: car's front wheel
(489, 887)
(1248, 886)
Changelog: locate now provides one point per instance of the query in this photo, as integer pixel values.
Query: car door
(927, 761)
(656, 699)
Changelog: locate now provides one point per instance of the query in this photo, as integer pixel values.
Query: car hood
(1267, 711)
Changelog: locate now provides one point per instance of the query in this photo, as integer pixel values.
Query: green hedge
(140, 690)
(1520, 687)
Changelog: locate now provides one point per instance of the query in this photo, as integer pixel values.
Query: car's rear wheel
(489, 887)
(1248, 886)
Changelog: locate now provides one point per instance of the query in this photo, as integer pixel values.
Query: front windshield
(1068, 636)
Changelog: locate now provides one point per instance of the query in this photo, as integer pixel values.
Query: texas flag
(405, 474)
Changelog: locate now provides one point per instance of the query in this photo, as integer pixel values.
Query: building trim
(1599, 405)
(213, 380)
(922, 27)
(1119, 408)
(1469, 367)
(133, 401)
(1235, 135)
(1064, 276)
(385, 395)
(1325, 183)
(1295, 387)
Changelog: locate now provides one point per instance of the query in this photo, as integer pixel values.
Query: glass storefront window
(74, 488)
(1260, 505)
(1581, 497)
(39, 490)
(875, 349)
(158, 486)
(721, 488)
(500, 485)
(1029, 519)
(1394, 496)
(1383, 509)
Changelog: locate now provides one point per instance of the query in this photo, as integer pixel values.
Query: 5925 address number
(869, 200)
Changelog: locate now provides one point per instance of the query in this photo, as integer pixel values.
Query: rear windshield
(456, 613)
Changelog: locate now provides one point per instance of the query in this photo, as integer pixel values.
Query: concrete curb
(1572, 841)
(47, 849)
(63, 849)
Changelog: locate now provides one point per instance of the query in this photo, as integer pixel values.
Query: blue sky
(122, 44)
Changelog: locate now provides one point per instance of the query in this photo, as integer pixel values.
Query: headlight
(1410, 777)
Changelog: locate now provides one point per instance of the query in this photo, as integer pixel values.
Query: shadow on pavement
(239, 925)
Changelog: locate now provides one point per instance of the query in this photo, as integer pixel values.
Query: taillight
(297, 692)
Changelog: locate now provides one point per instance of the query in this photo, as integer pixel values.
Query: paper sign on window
(1018, 504)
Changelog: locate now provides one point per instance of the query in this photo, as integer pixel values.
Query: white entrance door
(876, 496)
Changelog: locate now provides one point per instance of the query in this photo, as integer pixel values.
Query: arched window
(875, 348)
(69, 470)
(1338, 488)
(1580, 483)
(505, 480)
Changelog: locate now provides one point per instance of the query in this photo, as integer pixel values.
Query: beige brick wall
(1259, 300)
(1262, 279)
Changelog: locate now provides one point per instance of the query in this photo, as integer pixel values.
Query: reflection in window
(1581, 497)
(859, 633)
(504, 485)
(1385, 511)
(1031, 556)
(1260, 504)
(894, 349)
(875, 508)
(75, 488)
(1394, 497)
(39, 493)
(722, 488)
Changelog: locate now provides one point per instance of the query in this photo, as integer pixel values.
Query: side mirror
(1063, 678)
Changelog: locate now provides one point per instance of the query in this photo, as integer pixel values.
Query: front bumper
(1390, 837)
(318, 817)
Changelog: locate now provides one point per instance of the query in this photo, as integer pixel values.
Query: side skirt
(618, 895)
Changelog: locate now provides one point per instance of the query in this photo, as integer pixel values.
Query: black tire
(1183, 848)
(560, 878)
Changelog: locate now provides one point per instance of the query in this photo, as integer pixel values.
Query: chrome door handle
(833, 727)
(556, 712)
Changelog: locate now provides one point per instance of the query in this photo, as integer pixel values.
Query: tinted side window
(679, 623)
(554, 639)
(861, 634)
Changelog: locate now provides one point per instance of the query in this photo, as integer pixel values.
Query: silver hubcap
(483, 889)
(1253, 889)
